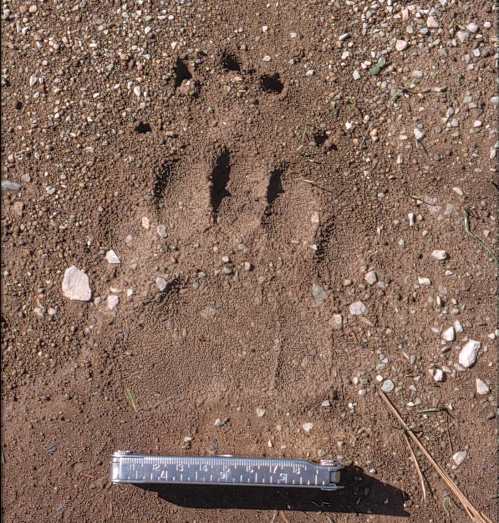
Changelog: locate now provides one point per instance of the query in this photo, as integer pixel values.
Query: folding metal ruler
(141, 469)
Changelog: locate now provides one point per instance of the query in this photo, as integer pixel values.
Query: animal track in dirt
(162, 177)
(143, 128)
(230, 62)
(219, 180)
(182, 72)
(271, 83)
(274, 188)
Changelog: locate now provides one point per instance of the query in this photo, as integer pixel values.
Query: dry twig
(474, 514)
(418, 468)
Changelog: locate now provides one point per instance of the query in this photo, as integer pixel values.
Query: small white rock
(481, 387)
(449, 334)
(266, 58)
(459, 457)
(325, 404)
(260, 412)
(472, 27)
(432, 22)
(387, 386)
(9, 186)
(357, 308)
(439, 255)
(112, 257)
(458, 327)
(438, 375)
(307, 427)
(423, 281)
(462, 36)
(336, 322)
(161, 283)
(401, 45)
(418, 134)
(161, 230)
(356, 75)
(412, 219)
(75, 284)
(112, 301)
(371, 277)
(469, 353)
(145, 222)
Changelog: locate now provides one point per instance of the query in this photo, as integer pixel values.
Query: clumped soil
(248, 154)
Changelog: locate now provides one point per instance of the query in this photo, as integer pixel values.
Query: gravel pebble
(439, 255)
(112, 257)
(469, 353)
(307, 427)
(112, 301)
(161, 283)
(75, 285)
(432, 23)
(260, 412)
(459, 457)
(401, 45)
(449, 334)
(371, 277)
(357, 308)
(319, 294)
(481, 387)
(387, 386)
(8, 186)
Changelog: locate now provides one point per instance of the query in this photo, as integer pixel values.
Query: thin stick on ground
(418, 468)
(474, 514)
(311, 182)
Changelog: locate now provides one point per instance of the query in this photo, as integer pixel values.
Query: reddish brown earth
(105, 122)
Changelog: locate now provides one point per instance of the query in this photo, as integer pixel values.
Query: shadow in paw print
(161, 179)
(182, 72)
(271, 83)
(230, 62)
(274, 189)
(219, 180)
(323, 238)
(143, 128)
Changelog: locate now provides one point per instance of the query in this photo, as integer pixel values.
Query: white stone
(161, 230)
(418, 134)
(260, 412)
(449, 334)
(438, 375)
(145, 222)
(459, 457)
(371, 277)
(432, 22)
(458, 326)
(266, 58)
(112, 301)
(307, 427)
(112, 257)
(387, 386)
(481, 387)
(423, 281)
(356, 75)
(336, 322)
(319, 294)
(439, 255)
(161, 283)
(357, 308)
(472, 27)
(400, 45)
(325, 404)
(462, 36)
(75, 285)
(469, 353)
(9, 186)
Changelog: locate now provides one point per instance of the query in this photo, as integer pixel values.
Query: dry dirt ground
(251, 163)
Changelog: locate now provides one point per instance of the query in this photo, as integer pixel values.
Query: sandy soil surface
(299, 199)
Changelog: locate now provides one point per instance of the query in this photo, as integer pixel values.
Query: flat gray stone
(75, 285)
